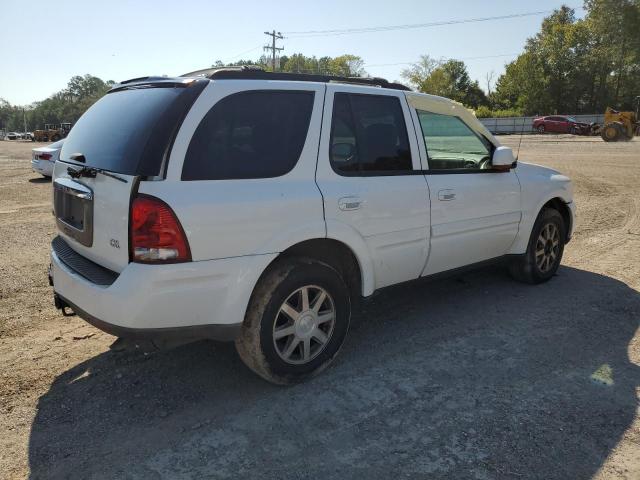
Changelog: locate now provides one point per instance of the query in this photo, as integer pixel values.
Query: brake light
(45, 156)
(156, 233)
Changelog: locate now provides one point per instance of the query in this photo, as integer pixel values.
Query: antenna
(520, 141)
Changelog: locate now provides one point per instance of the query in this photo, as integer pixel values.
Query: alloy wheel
(304, 324)
(547, 247)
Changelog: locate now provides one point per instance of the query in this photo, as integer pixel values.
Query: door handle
(446, 195)
(350, 203)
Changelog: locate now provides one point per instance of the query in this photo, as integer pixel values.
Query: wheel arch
(334, 253)
(561, 206)
(526, 226)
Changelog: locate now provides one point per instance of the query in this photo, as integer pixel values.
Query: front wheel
(296, 322)
(544, 251)
(611, 133)
(541, 128)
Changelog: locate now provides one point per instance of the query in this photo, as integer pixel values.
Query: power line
(243, 53)
(274, 36)
(349, 31)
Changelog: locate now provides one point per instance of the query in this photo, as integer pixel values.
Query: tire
(573, 131)
(535, 267)
(540, 129)
(282, 289)
(611, 132)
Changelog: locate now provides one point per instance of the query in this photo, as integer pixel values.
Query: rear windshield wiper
(91, 172)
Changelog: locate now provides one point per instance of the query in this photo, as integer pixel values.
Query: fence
(525, 124)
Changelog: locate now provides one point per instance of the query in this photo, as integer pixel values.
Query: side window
(451, 144)
(253, 134)
(368, 135)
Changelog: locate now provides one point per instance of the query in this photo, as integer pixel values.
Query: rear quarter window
(253, 134)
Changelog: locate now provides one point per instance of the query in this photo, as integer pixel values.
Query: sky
(46, 43)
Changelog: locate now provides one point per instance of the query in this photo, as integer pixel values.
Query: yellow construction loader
(620, 126)
(51, 132)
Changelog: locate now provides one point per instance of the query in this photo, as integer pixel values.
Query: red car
(560, 124)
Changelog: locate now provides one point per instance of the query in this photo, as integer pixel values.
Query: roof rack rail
(251, 72)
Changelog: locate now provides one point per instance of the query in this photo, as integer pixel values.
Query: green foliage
(485, 112)
(343, 65)
(577, 66)
(447, 79)
(65, 106)
(569, 66)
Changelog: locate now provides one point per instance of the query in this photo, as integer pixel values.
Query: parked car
(14, 136)
(44, 158)
(261, 207)
(561, 124)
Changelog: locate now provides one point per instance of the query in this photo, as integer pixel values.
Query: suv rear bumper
(178, 334)
(187, 301)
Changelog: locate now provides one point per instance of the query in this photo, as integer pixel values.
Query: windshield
(128, 131)
(571, 119)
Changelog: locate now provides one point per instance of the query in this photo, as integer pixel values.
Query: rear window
(253, 134)
(129, 131)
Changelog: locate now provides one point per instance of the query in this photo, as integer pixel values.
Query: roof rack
(257, 73)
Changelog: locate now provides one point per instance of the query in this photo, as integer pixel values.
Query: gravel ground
(472, 377)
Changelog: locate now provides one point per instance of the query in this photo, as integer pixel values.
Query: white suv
(259, 207)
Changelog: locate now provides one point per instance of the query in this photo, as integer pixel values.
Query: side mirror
(342, 152)
(503, 159)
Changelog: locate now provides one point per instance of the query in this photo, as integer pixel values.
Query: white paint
(398, 227)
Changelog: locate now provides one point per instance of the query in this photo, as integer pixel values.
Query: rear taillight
(44, 156)
(156, 233)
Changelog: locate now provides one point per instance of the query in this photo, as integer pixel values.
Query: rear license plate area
(73, 208)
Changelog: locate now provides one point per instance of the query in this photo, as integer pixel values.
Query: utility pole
(274, 36)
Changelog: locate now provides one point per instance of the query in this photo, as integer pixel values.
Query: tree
(347, 66)
(447, 79)
(614, 27)
(418, 72)
(344, 65)
(66, 105)
(576, 66)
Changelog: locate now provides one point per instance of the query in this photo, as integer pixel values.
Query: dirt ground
(471, 377)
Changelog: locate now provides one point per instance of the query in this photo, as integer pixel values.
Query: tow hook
(62, 305)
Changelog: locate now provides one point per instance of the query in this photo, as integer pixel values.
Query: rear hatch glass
(123, 136)
(129, 130)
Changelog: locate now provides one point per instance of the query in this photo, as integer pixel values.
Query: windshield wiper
(91, 172)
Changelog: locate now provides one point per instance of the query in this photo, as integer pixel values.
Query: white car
(260, 207)
(44, 158)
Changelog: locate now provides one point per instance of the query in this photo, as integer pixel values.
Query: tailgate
(92, 215)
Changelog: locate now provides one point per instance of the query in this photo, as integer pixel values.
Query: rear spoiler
(155, 82)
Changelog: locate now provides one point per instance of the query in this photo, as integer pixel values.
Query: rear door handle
(350, 203)
(446, 195)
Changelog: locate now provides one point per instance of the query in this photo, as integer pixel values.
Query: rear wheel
(297, 320)
(544, 251)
